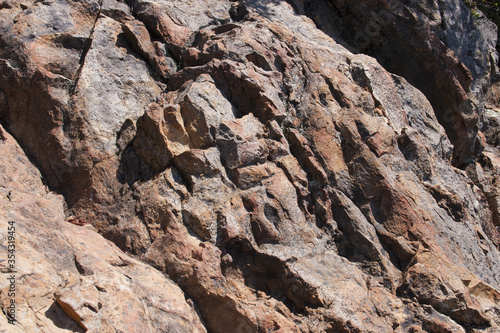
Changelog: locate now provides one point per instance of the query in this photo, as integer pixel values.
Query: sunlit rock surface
(250, 166)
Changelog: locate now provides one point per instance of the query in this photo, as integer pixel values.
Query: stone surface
(290, 166)
(68, 277)
(437, 47)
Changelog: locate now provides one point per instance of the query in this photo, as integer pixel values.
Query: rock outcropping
(250, 166)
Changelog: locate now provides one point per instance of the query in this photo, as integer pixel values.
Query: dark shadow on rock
(272, 276)
(132, 169)
(61, 320)
(430, 58)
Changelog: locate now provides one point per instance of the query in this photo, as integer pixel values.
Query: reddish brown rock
(68, 277)
(278, 177)
(241, 142)
(138, 36)
(450, 290)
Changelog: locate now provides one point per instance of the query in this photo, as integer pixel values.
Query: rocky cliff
(249, 166)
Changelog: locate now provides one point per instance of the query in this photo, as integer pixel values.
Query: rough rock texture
(68, 277)
(439, 47)
(278, 174)
(486, 171)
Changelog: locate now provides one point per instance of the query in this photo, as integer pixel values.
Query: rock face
(266, 167)
(68, 277)
(437, 47)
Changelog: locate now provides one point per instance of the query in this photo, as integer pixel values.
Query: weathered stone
(435, 39)
(80, 302)
(201, 219)
(107, 82)
(281, 178)
(138, 36)
(183, 120)
(242, 142)
(199, 162)
(169, 20)
(302, 150)
(69, 277)
(491, 126)
(125, 135)
(449, 289)
(205, 108)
